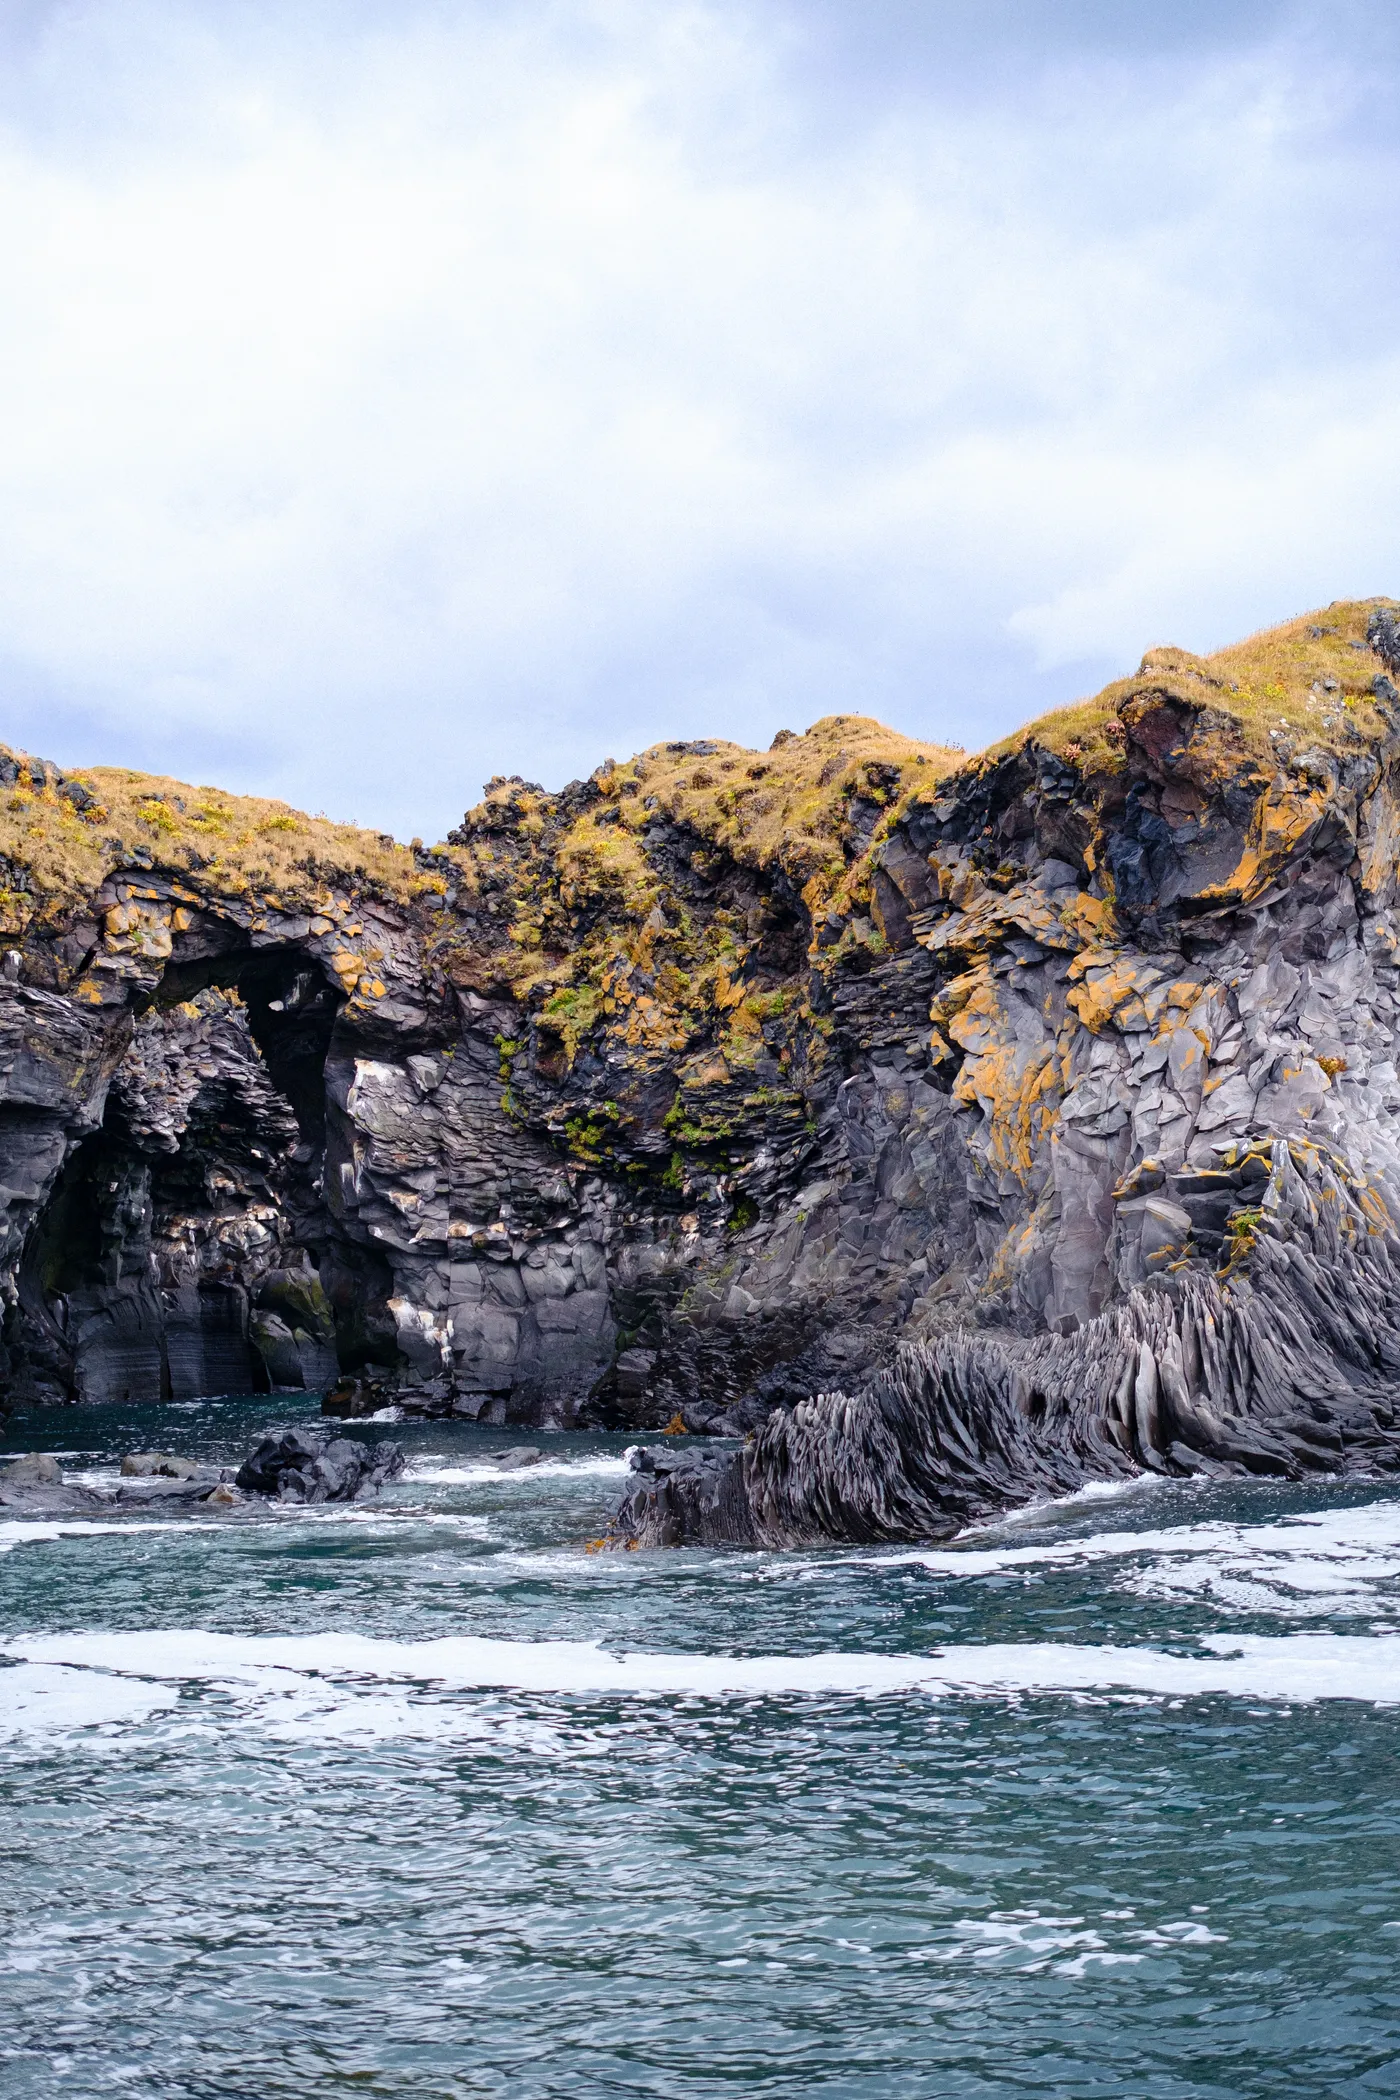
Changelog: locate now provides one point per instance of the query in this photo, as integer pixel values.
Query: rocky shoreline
(1290, 1370)
(954, 1130)
(288, 1465)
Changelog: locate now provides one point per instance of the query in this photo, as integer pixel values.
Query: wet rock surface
(31, 1469)
(517, 1459)
(32, 1484)
(158, 1465)
(295, 1467)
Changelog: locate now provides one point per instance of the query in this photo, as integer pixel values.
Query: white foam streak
(1294, 1668)
(31, 1531)
(1326, 1560)
(45, 1699)
(423, 1473)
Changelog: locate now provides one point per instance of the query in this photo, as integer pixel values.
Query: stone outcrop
(32, 1484)
(953, 1091)
(1286, 1364)
(295, 1467)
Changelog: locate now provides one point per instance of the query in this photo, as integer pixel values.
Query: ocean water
(424, 1798)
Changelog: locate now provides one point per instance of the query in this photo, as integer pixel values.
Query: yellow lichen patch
(1018, 1090)
(981, 1020)
(1113, 992)
(1088, 918)
(1284, 820)
(650, 1026)
(981, 924)
(954, 996)
(136, 928)
(1052, 925)
(729, 991)
(978, 930)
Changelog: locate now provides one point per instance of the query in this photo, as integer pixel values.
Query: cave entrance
(292, 1004)
(178, 1254)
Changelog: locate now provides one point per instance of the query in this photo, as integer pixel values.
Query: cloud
(389, 397)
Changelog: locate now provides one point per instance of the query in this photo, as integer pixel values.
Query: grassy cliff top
(792, 806)
(1307, 680)
(786, 806)
(62, 834)
(789, 803)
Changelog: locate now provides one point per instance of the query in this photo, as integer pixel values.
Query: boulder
(32, 1469)
(32, 1484)
(164, 1465)
(516, 1459)
(295, 1467)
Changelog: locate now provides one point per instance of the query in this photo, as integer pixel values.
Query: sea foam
(1324, 1560)
(1297, 1667)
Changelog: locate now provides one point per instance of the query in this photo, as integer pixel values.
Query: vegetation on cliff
(811, 807)
(672, 932)
(62, 834)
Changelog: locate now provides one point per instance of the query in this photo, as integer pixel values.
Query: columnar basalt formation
(1045, 1104)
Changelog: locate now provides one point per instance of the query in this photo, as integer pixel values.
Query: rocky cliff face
(723, 1079)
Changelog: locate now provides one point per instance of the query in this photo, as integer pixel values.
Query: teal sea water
(421, 1798)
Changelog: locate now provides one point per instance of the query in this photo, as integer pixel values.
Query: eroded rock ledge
(982, 1091)
(1287, 1365)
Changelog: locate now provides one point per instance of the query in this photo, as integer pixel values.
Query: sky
(392, 395)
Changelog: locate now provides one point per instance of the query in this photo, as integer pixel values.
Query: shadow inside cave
(186, 1248)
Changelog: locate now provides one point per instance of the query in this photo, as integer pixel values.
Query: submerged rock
(295, 1467)
(149, 1490)
(517, 1458)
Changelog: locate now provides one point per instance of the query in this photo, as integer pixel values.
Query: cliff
(724, 1079)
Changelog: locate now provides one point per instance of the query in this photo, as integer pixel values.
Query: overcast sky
(391, 395)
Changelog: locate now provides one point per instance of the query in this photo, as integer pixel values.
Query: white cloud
(390, 399)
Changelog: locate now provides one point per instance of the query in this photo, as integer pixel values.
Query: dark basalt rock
(686, 1498)
(295, 1467)
(1288, 1371)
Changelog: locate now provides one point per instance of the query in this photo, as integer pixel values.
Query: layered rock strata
(723, 1079)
